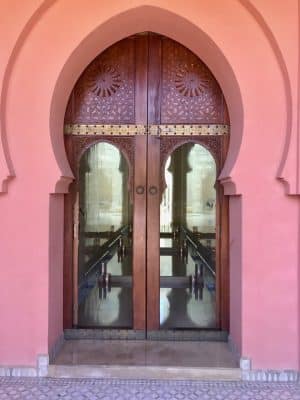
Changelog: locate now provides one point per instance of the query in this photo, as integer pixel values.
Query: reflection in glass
(104, 258)
(166, 204)
(187, 243)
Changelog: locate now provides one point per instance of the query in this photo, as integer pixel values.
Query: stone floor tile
(111, 389)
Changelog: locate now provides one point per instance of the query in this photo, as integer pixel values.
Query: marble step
(144, 372)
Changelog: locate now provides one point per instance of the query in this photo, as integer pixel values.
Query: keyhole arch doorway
(150, 96)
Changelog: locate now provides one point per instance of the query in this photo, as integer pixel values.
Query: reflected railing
(106, 249)
(109, 272)
(187, 280)
(202, 253)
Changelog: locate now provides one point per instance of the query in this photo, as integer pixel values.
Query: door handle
(140, 189)
(153, 190)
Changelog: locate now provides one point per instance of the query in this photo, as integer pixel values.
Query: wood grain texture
(153, 182)
(139, 235)
(140, 177)
(153, 234)
(154, 79)
(141, 79)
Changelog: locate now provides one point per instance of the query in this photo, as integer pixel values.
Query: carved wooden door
(148, 116)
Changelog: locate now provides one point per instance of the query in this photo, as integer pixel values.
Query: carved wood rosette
(105, 92)
(189, 91)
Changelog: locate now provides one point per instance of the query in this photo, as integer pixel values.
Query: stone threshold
(144, 372)
(206, 335)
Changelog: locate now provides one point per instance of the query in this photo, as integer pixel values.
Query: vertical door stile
(153, 186)
(218, 249)
(68, 249)
(224, 248)
(139, 196)
(75, 257)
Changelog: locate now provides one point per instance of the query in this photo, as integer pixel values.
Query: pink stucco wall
(252, 48)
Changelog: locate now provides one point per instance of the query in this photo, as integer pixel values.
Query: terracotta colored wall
(252, 49)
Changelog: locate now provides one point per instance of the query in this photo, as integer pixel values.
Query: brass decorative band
(153, 130)
(188, 130)
(107, 130)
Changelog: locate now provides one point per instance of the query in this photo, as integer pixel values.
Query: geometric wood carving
(104, 93)
(190, 93)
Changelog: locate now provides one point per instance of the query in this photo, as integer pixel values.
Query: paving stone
(111, 389)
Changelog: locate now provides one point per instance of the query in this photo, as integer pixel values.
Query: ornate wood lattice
(105, 92)
(190, 93)
(187, 92)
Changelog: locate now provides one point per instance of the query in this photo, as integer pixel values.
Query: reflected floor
(155, 353)
(179, 308)
(114, 311)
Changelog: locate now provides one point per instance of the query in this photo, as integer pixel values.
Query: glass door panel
(105, 239)
(188, 240)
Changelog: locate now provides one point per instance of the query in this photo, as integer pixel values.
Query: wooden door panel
(105, 92)
(190, 94)
(153, 234)
(182, 90)
(154, 79)
(139, 234)
(140, 195)
(224, 248)
(68, 248)
(146, 79)
(76, 146)
(112, 90)
(141, 80)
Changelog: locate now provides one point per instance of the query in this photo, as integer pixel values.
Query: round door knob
(153, 190)
(140, 189)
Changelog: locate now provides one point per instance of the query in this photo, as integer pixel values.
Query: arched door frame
(204, 47)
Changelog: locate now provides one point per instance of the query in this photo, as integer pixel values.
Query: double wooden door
(146, 132)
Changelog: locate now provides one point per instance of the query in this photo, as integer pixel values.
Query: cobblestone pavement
(109, 389)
